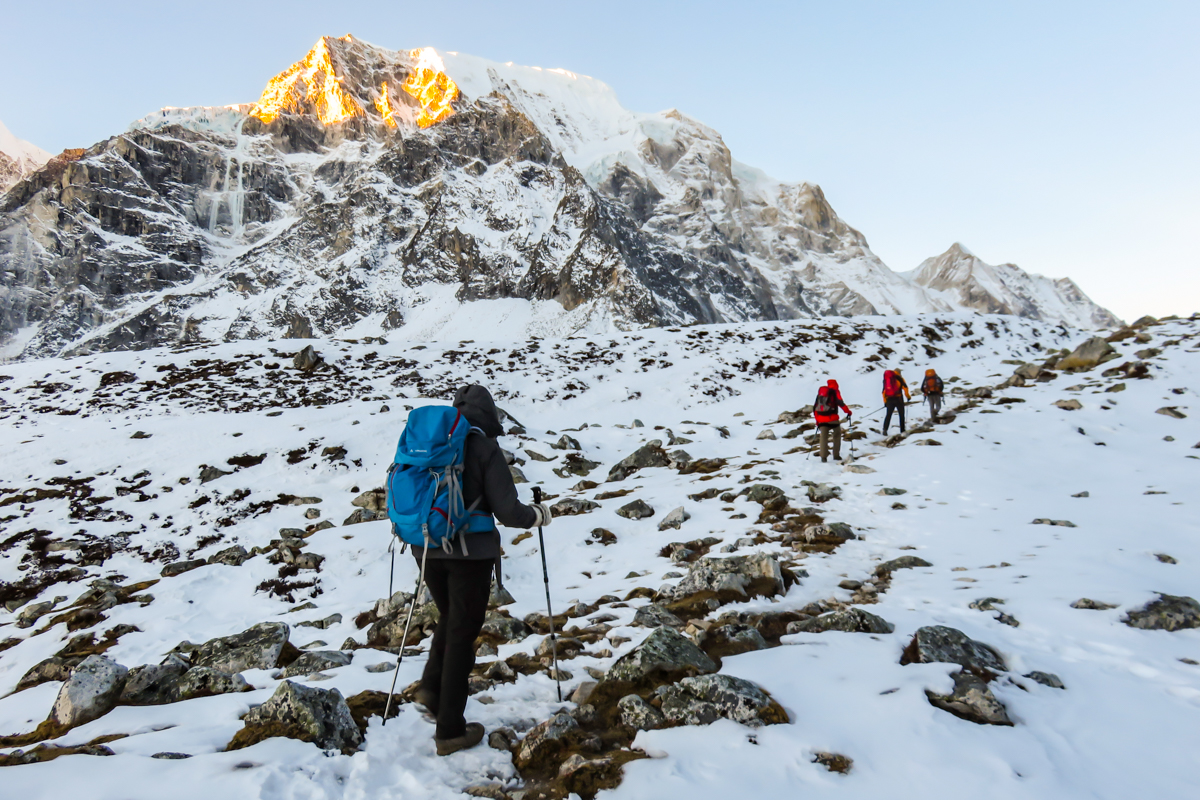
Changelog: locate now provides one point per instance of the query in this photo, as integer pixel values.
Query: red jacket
(832, 418)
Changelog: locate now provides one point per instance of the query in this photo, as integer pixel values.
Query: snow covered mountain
(18, 158)
(955, 609)
(961, 279)
(417, 192)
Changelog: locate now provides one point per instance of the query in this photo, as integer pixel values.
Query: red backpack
(891, 386)
(826, 405)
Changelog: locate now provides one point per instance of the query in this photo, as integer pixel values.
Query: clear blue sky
(1061, 136)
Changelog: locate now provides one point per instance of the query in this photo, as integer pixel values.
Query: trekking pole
(412, 606)
(537, 498)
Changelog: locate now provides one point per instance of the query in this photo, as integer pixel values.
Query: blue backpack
(424, 484)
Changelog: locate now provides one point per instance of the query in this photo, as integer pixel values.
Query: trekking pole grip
(537, 494)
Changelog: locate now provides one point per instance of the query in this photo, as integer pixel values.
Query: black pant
(893, 404)
(460, 589)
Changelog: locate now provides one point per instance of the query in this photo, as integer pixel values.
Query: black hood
(477, 405)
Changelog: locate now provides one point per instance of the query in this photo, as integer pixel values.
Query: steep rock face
(371, 190)
(965, 281)
(18, 159)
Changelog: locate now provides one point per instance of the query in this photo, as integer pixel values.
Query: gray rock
(1167, 613)
(500, 596)
(1060, 523)
(655, 616)
(850, 620)
(307, 359)
(650, 454)
(761, 492)
(154, 684)
(891, 492)
(732, 639)
(573, 506)
(583, 692)
(674, 519)
(320, 714)
(45, 671)
(972, 700)
(858, 469)
(208, 473)
(1172, 412)
(258, 647)
(822, 492)
(707, 698)
(315, 661)
(91, 692)
(1046, 679)
(31, 613)
(577, 465)
(231, 556)
(638, 509)
(639, 715)
(363, 515)
(767, 434)
(382, 666)
(903, 562)
(180, 567)
(1091, 605)
(321, 624)
(940, 644)
(730, 578)
(547, 740)
(566, 442)
(1069, 405)
(1091, 353)
(504, 627)
(663, 657)
(517, 476)
(207, 682)
(371, 500)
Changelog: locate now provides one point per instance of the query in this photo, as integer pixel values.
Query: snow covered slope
(960, 278)
(18, 158)
(367, 188)
(104, 479)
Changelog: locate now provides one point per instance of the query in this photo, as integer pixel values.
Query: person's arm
(904, 386)
(842, 403)
(500, 491)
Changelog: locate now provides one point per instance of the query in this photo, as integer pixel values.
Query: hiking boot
(472, 737)
(428, 699)
(823, 459)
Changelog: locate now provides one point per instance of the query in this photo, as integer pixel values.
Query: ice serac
(416, 192)
(18, 158)
(963, 280)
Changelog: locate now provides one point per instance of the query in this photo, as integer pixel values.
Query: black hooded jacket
(485, 478)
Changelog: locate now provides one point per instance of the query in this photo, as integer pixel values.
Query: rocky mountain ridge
(411, 192)
(18, 158)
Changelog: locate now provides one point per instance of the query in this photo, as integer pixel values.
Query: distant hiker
(894, 392)
(825, 411)
(932, 387)
(460, 580)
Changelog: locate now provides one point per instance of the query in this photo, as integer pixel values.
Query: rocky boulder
(722, 641)
(664, 657)
(263, 646)
(1167, 613)
(650, 454)
(548, 740)
(639, 715)
(940, 644)
(1091, 353)
(713, 581)
(315, 661)
(638, 509)
(207, 682)
(850, 620)
(154, 684)
(972, 700)
(572, 506)
(45, 671)
(674, 519)
(654, 615)
(309, 714)
(705, 699)
(91, 692)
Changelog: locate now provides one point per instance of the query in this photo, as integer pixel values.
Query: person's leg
(887, 417)
(823, 438)
(837, 442)
(935, 406)
(436, 578)
(900, 413)
(470, 583)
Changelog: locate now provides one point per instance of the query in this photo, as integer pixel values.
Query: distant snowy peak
(965, 281)
(18, 158)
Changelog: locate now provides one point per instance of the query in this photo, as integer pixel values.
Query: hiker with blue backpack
(447, 489)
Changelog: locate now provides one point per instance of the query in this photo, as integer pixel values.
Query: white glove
(543, 515)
